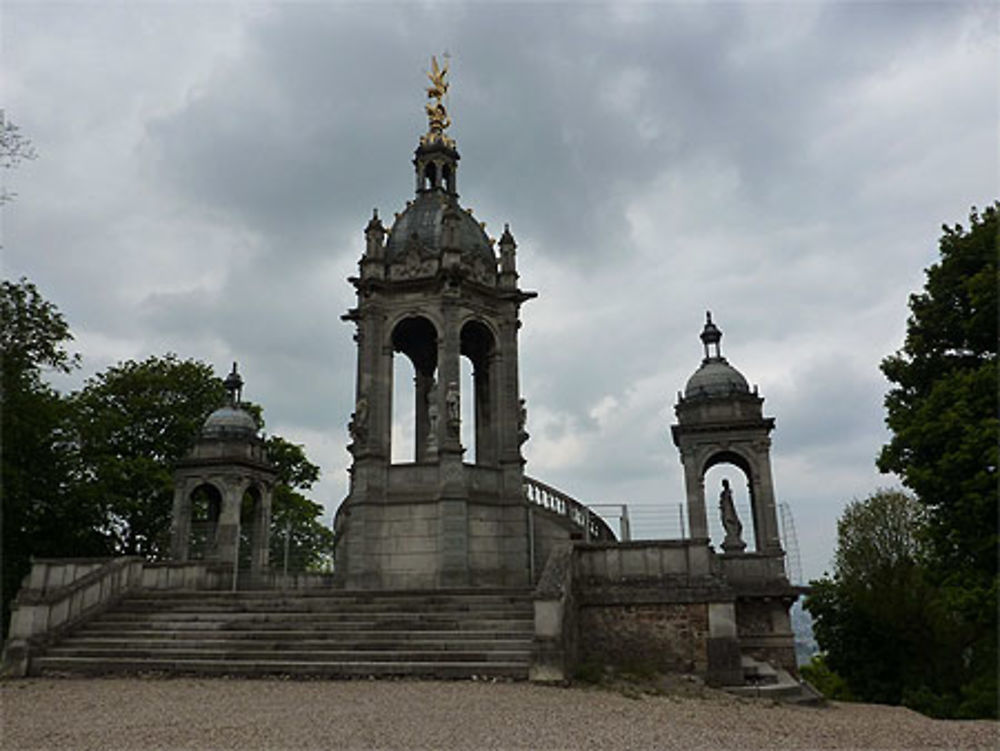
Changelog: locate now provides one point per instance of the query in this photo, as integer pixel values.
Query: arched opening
(468, 426)
(447, 179)
(430, 176)
(206, 506)
(478, 345)
(730, 520)
(412, 426)
(251, 528)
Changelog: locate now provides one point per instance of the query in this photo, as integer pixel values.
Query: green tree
(131, 423)
(14, 148)
(942, 411)
(871, 619)
(134, 421)
(297, 532)
(41, 516)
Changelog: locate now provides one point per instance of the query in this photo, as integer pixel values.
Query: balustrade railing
(593, 526)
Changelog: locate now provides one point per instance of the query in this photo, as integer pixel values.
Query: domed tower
(432, 288)
(223, 489)
(720, 421)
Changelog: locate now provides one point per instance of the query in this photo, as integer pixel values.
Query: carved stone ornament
(478, 270)
(453, 407)
(358, 426)
(730, 521)
(522, 421)
(432, 418)
(413, 263)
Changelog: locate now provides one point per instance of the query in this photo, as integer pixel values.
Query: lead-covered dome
(434, 220)
(716, 377)
(231, 420)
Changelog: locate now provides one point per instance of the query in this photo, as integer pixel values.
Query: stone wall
(765, 631)
(667, 637)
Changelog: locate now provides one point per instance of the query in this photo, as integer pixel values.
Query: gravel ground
(189, 713)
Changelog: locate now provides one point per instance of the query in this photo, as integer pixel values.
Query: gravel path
(188, 713)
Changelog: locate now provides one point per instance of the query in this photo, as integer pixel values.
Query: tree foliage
(41, 515)
(14, 149)
(942, 409)
(131, 424)
(868, 618)
(299, 540)
(910, 614)
(90, 473)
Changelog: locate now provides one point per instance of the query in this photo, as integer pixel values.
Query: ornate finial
(711, 335)
(437, 116)
(234, 385)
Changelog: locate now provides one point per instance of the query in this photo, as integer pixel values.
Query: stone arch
(745, 464)
(204, 509)
(430, 176)
(417, 337)
(478, 343)
(254, 527)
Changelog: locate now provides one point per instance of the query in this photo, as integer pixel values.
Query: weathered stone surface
(666, 637)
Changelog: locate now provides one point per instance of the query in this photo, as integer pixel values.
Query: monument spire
(436, 158)
(437, 114)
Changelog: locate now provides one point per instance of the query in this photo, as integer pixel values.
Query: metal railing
(593, 526)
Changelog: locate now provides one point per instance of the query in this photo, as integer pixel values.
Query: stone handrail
(593, 526)
(554, 645)
(57, 594)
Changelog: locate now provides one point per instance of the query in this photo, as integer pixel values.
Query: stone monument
(432, 288)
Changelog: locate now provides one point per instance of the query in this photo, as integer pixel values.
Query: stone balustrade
(592, 525)
(58, 594)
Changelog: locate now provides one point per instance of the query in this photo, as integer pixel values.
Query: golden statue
(437, 115)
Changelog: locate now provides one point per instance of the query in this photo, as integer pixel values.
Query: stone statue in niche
(358, 426)
(432, 418)
(522, 421)
(453, 407)
(730, 521)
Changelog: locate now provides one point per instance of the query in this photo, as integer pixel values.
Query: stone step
(278, 624)
(293, 653)
(310, 616)
(266, 642)
(320, 606)
(319, 636)
(468, 597)
(46, 665)
(333, 634)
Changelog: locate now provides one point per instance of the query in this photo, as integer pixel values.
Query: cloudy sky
(205, 171)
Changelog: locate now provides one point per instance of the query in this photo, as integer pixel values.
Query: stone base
(437, 544)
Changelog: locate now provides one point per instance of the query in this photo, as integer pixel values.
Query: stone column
(261, 542)
(180, 522)
(422, 383)
(228, 530)
(694, 482)
(453, 503)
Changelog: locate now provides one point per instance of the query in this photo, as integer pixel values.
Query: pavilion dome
(424, 221)
(716, 377)
(231, 422)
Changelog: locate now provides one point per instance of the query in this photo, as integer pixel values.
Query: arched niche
(417, 338)
(748, 506)
(739, 478)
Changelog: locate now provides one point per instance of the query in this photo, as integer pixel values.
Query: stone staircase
(452, 634)
(765, 681)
